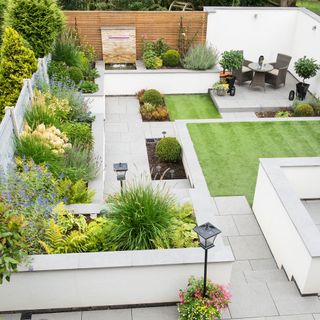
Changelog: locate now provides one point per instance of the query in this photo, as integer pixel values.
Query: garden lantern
(121, 170)
(207, 234)
(164, 134)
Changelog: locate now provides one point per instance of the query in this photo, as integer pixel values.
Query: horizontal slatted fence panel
(151, 25)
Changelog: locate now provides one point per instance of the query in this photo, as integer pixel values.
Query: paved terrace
(260, 291)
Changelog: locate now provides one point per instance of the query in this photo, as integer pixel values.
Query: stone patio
(256, 99)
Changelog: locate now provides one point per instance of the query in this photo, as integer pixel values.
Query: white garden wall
(166, 81)
(110, 278)
(267, 32)
(287, 226)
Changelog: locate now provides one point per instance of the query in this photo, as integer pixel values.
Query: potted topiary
(306, 68)
(230, 60)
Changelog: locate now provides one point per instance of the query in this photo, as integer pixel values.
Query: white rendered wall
(304, 180)
(111, 278)
(166, 82)
(267, 32)
(279, 231)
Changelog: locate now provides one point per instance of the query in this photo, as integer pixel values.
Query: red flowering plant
(193, 306)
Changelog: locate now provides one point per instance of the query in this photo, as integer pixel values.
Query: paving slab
(58, 316)
(156, 313)
(265, 276)
(232, 205)
(296, 317)
(289, 301)
(226, 225)
(316, 316)
(117, 314)
(263, 264)
(247, 224)
(251, 300)
(249, 247)
(12, 316)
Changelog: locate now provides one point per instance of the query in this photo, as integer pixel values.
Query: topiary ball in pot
(168, 150)
(171, 58)
(303, 110)
(152, 96)
(75, 74)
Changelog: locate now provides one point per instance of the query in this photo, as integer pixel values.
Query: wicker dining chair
(278, 75)
(244, 73)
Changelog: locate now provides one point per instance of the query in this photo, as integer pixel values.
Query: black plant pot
(302, 89)
(231, 81)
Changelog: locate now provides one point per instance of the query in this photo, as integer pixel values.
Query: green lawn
(191, 106)
(229, 152)
(310, 4)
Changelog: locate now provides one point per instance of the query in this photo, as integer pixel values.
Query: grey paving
(232, 205)
(247, 225)
(122, 314)
(316, 316)
(263, 264)
(251, 300)
(249, 247)
(263, 276)
(14, 316)
(158, 313)
(58, 316)
(226, 224)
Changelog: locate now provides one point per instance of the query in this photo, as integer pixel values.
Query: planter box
(110, 278)
(167, 81)
(292, 235)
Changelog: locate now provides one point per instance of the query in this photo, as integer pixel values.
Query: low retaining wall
(110, 278)
(292, 235)
(167, 81)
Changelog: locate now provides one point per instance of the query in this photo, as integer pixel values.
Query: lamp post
(121, 170)
(207, 233)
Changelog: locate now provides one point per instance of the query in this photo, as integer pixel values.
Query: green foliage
(231, 60)
(152, 96)
(160, 47)
(168, 150)
(306, 67)
(193, 305)
(74, 192)
(151, 60)
(38, 21)
(59, 71)
(66, 51)
(303, 110)
(17, 62)
(140, 217)
(282, 114)
(171, 58)
(79, 133)
(88, 87)
(79, 163)
(200, 57)
(3, 7)
(12, 241)
(315, 103)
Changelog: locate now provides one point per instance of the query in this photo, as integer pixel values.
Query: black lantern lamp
(207, 235)
(121, 170)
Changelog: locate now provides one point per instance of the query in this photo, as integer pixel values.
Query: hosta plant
(193, 305)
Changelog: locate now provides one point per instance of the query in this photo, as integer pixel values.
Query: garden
(229, 152)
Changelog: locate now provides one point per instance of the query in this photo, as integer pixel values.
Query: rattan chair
(278, 75)
(244, 73)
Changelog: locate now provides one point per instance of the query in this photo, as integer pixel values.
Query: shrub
(315, 103)
(17, 62)
(75, 74)
(79, 133)
(304, 110)
(160, 47)
(193, 305)
(88, 87)
(59, 71)
(67, 52)
(151, 60)
(306, 67)
(231, 60)
(146, 111)
(171, 58)
(168, 149)
(140, 218)
(282, 114)
(200, 57)
(3, 7)
(38, 21)
(152, 96)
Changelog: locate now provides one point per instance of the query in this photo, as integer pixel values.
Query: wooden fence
(150, 25)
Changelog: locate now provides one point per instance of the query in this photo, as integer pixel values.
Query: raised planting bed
(229, 152)
(163, 170)
(195, 106)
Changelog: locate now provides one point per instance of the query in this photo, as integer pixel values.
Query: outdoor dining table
(258, 79)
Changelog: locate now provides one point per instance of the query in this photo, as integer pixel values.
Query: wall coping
(126, 259)
(297, 213)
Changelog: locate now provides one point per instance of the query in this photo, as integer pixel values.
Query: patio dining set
(259, 74)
